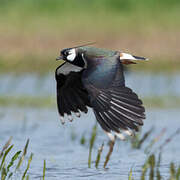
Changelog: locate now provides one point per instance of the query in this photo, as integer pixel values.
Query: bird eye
(64, 52)
(67, 53)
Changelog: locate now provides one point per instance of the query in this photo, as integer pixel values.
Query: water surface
(67, 158)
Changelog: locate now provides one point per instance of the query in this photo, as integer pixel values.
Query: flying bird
(94, 77)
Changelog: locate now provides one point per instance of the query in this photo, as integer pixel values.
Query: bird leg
(111, 147)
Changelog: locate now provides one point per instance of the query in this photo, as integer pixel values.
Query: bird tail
(129, 59)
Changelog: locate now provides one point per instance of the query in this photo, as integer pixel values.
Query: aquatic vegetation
(5, 147)
(136, 141)
(91, 143)
(130, 177)
(169, 139)
(23, 155)
(152, 167)
(152, 163)
(99, 155)
(83, 139)
(44, 170)
(154, 140)
(11, 168)
(25, 172)
(174, 173)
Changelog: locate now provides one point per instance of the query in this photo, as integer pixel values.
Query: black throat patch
(79, 61)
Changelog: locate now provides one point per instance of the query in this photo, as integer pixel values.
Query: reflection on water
(67, 159)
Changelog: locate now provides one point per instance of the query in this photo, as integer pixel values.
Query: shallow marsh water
(67, 158)
(145, 84)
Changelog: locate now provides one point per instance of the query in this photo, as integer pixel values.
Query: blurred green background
(33, 31)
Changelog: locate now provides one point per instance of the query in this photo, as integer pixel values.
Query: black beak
(59, 58)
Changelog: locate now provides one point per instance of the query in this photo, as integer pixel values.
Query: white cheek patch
(72, 55)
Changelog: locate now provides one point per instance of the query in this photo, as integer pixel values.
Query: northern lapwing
(94, 77)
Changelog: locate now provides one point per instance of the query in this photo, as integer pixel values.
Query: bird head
(73, 55)
(68, 54)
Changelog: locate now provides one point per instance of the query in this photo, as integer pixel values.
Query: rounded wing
(71, 95)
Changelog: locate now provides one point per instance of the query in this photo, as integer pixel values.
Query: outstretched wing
(71, 95)
(116, 106)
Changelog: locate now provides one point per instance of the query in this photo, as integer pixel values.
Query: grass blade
(44, 169)
(23, 155)
(145, 136)
(172, 171)
(130, 177)
(3, 173)
(83, 140)
(5, 146)
(92, 140)
(158, 175)
(12, 160)
(29, 162)
(178, 173)
(168, 140)
(10, 175)
(156, 139)
(27, 177)
(152, 163)
(5, 154)
(99, 155)
(144, 169)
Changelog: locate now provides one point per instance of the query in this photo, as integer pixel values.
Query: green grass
(50, 101)
(166, 101)
(97, 16)
(94, 16)
(61, 8)
(27, 101)
(8, 169)
(32, 32)
(91, 143)
(151, 168)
